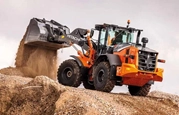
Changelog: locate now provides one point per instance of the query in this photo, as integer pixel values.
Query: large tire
(69, 73)
(139, 91)
(88, 84)
(102, 81)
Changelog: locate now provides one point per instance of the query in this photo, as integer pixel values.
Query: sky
(158, 19)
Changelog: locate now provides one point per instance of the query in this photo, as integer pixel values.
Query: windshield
(116, 36)
(128, 38)
(122, 36)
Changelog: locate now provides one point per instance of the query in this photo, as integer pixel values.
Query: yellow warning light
(128, 21)
(62, 36)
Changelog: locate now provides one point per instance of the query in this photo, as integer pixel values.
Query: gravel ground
(42, 95)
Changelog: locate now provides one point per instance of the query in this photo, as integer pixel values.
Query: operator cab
(111, 35)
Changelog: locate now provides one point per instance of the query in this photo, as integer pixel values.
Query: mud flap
(113, 72)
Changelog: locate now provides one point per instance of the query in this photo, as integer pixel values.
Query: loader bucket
(38, 35)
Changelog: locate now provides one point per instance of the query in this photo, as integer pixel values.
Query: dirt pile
(28, 96)
(162, 95)
(32, 61)
(42, 95)
(11, 71)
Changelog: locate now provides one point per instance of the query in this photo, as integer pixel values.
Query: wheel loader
(103, 62)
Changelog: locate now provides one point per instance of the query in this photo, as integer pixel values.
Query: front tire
(102, 81)
(69, 73)
(139, 91)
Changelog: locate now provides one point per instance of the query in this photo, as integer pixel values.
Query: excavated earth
(32, 61)
(42, 95)
(26, 90)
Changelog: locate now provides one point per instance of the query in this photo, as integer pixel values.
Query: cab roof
(114, 27)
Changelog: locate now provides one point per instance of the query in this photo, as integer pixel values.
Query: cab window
(127, 38)
(102, 38)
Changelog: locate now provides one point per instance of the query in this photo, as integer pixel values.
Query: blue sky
(158, 18)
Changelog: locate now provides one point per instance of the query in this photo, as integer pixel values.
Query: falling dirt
(32, 61)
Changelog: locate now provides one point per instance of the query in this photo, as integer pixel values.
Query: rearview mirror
(91, 33)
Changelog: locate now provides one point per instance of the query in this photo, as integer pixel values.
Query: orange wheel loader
(103, 63)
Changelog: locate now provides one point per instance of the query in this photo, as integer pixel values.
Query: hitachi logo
(73, 37)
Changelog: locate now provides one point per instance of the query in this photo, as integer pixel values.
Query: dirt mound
(162, 95)
(43, 95)
(11, 71)
(8, 90)
(28, 96)
(32, 61)
(38, 96)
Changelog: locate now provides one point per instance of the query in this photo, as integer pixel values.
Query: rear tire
(102, 81)
(69, 73)
(139, 91)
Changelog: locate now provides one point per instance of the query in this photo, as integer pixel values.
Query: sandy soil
(42, 95)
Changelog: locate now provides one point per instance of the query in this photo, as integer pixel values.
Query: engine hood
(146, 49)
(122, 46)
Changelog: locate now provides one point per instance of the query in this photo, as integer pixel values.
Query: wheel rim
(101, 75)
(67, 73)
